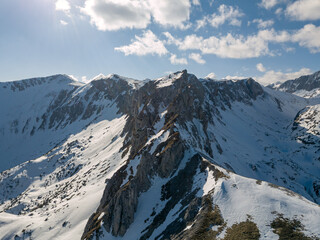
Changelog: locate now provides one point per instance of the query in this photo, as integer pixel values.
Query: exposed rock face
(306, 129)
(56, 105)
(24, 84)
(67, 105)
(185, 99)
(83, 107)
(308, 83)
(201, 223)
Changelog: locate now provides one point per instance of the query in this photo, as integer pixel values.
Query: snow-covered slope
(23, 105)
(236, 125)
(305, 86)
(236, 199)
(41, 113)
(173, 158)
(52, 196)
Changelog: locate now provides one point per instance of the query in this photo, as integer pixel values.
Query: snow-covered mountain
(305, 86)
(172, 158)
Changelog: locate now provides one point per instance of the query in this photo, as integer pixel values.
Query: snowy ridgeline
(65, 142)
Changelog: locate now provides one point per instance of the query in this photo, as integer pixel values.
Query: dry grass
(288, 229)
(211, 218)
(247, 230)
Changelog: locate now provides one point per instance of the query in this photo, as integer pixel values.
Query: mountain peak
(99, 76)
(306, 83)
(21, 85)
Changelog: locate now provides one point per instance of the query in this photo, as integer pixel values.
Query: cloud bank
(111, 15)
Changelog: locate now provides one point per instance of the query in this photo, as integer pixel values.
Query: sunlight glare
(62, 5)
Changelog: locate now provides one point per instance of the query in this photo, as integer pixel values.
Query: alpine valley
(172, 158)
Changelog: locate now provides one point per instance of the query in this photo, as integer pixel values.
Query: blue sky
(266, 39)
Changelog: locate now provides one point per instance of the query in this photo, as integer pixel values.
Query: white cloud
(63, 5)
(278, 11)
(148, 43)
(234, 77)
(211, 76)
(263, 23)
(268, 4)
(108, 15)
(260, 67)
(190, 42)
(273, 76)
(197, 58)
(256, 45)
(177, 61)
(64, 23)
(226, 14)
(289, 49)
(230, 46)
(185, 26)
(114, 15)
(171, 39)
(308, 37)
(196, 2)
(168, 13)
(304, 10)
(201, 23)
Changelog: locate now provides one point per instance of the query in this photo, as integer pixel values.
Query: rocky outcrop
(186, 98)
(32, 82)
(308, 83)
(120, 198)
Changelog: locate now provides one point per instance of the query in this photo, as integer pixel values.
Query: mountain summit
(304, 86)
(172, 158)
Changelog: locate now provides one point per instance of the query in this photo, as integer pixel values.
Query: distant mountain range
(172, 158)
(305, 86)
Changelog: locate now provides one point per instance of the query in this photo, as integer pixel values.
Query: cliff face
(307, 86)
(170, 131)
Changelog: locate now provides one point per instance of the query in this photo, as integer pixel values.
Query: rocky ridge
(186, 99)
(304, 86)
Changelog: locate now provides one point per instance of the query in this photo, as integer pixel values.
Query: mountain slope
(235, 199)
(167, 159)
(305, 86)
(236, 125)
(41, 113)
(80, 141)
(54, 194)
(23, 114)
